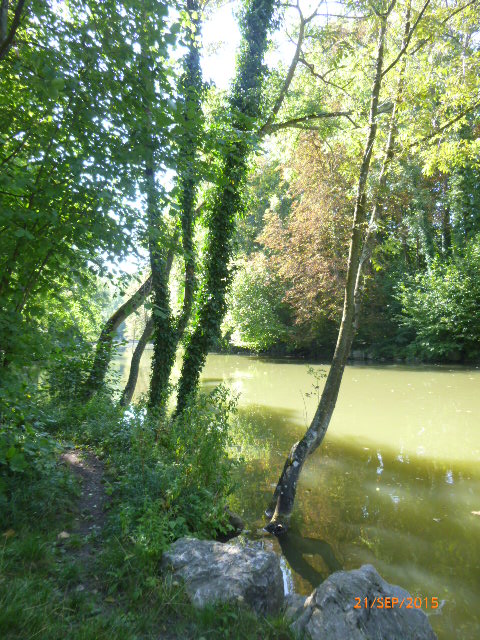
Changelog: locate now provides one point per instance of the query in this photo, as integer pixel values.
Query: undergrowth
(165, 479)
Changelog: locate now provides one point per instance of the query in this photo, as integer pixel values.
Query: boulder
(293, 606)
(329, 611)
(212, 572)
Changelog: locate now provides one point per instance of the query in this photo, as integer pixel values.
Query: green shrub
(442, 306)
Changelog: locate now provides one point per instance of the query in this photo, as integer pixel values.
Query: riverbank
(88, 567)
(394, 485)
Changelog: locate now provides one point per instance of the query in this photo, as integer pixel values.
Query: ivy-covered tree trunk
(187, 170)
(103, 352)
(166, 331)
(245, 111)
(164, 338)
(281, 506)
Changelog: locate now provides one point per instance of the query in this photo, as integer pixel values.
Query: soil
(91, 505)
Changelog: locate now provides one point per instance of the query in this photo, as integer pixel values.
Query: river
(396, 482)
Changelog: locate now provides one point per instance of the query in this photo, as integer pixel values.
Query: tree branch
(407, 39)
(297, 123)
(289, 76)
(7, 42)
(444, 126)
(323, 77)
(444, 21)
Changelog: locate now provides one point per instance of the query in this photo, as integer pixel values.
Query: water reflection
(298, 549)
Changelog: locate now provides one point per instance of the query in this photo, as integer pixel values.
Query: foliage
(98, 103)
(430, 206)
(30, 476)
(39, 595)
(176, 479)
(57, 218)
(257, 318)
(314, 235)
(164, 482)
(441, 306)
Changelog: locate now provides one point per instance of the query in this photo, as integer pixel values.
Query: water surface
(394, 483)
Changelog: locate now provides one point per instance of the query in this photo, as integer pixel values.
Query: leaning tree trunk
(245, 107)
(147, 333)
(103, 351)
(129, 390)
(281, 506)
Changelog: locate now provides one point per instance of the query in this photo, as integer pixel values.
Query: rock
(294, 604)
(63, 535)
(329, 611)
(213, 571)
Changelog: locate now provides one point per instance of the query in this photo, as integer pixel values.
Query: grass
(51, 589)
(46, 593)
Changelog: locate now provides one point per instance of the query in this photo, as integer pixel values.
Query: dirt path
(91, 504)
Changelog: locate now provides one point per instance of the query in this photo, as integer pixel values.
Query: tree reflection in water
(295, 547)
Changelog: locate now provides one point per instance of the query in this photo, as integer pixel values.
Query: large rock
(329, 611)
(213, 571)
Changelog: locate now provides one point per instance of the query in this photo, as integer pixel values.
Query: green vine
(245, 111)
(167, 330)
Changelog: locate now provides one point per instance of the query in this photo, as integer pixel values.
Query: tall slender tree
(363, 236)
(167, 330)
(245, 110)
(281, 506)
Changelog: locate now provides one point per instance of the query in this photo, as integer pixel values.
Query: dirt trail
(91, 504)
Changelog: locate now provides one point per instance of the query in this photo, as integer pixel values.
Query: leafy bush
(257, 317)
(32, 483)
(169, 478)
(442, 306)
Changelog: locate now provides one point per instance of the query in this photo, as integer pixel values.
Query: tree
(315, 235)
(245, 110)
(282, 502)
(167, 331)
(363, 235)
(441, 306)
(256, 317)
(68, 171)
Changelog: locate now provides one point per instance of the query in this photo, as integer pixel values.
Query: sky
(220, 37)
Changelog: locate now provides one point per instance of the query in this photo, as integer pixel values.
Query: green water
(394, 483)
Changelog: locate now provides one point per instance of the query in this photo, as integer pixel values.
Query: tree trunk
(245, 107)
(3, 20)
(129, 390)
(187, 169)
(103, 351)
(281, 506)
(135, 364)
(167, 332)
(164, 344)
(7, 40)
